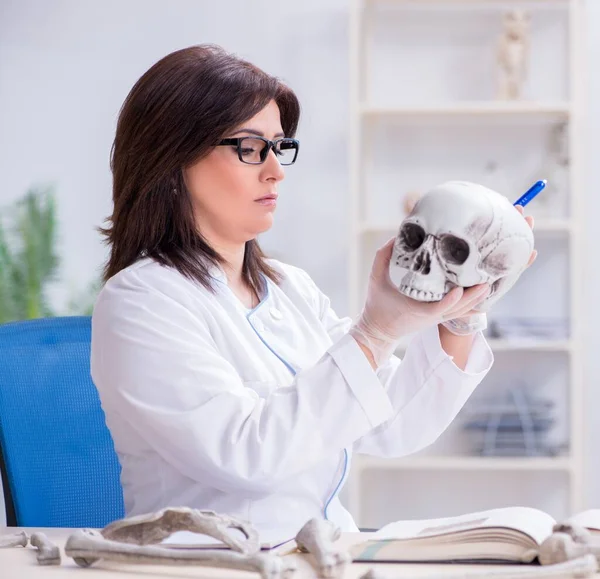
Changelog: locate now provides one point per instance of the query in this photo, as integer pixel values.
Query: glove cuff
(467, 325)
(381, 349)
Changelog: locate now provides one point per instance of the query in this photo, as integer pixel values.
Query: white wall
(67, 65)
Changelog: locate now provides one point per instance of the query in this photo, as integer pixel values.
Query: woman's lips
(267, 201)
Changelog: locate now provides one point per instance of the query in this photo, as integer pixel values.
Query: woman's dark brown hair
(173, 116)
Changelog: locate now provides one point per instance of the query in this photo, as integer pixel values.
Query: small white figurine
(513, 54)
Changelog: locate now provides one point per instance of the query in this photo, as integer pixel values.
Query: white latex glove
(388, 315)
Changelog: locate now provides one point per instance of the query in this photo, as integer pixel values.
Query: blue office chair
(59, 466)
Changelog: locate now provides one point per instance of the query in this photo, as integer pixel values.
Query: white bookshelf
(371, 113)
(470, 109)
(467, 463)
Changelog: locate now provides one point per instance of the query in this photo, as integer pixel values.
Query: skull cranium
(460, 234)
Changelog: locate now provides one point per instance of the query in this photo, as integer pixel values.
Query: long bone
(48, 553)
(17, 540)
(568, 542)
(317, 537)
(88, 546)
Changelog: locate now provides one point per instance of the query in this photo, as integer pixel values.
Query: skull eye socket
(412, 236)
(454, 249)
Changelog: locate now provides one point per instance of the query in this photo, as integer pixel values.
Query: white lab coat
(256, 413)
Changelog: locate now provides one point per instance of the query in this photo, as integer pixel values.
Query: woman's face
(228, 196)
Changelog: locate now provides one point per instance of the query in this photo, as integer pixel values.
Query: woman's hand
(388, 315)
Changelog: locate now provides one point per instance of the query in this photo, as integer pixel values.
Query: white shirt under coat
(257, 413)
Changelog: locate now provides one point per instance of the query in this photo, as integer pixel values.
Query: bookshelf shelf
(470, 109)
(466, 463)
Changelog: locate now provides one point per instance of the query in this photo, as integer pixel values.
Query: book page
(533, 522)
(589, 519)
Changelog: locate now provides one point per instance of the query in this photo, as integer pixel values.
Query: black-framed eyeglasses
(254, 150)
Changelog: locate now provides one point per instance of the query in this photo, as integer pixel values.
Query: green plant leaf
(8, 309)
(29, 260)
(28, 256)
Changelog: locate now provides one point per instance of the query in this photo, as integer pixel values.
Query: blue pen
(531, 193)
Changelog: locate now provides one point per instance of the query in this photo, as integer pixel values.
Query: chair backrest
(59, 458)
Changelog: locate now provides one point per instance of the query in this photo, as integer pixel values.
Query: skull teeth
(420, 295)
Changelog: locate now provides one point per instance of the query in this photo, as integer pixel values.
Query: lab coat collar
(218, 273)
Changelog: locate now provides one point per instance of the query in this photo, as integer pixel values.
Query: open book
(511, 534)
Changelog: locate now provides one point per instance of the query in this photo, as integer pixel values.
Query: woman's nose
(272, 168)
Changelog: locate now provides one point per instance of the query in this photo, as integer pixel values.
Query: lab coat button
(275, 313)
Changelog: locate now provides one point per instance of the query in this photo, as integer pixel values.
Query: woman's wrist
(367, 352)
(467, 325)
(457, 346)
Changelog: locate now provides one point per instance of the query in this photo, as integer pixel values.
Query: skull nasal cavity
(412, 236)
(422, 262)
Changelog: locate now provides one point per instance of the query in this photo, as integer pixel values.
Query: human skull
(460, 234)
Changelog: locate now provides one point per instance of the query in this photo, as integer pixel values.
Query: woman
(227, 380)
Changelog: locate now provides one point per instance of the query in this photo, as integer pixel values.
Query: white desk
(21, 563)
